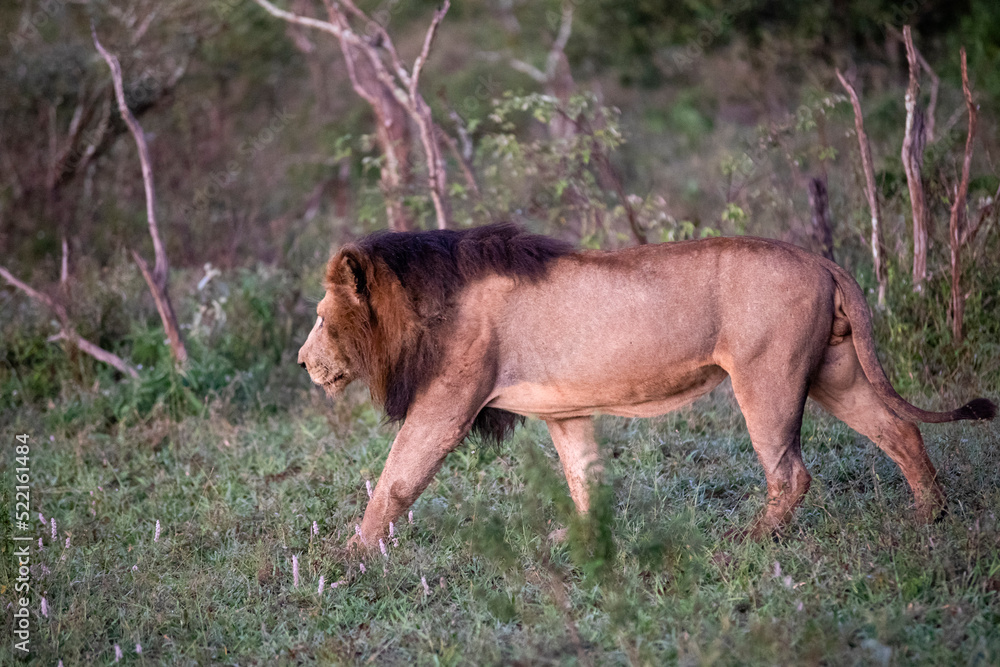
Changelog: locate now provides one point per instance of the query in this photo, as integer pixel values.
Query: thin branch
(97, 352)
(384, 42)
(878, 250)
(958, 206)
(67, 332)
(160, 267)
(463, 163)
(559, 46)
(158, 277)
(418, 64)
(325, 26)
(529, 69)
(401, 85)
(957, 223)
(64, 266)
(44, 299)
(957, 233)
(913, 158)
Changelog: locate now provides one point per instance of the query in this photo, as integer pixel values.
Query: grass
(652, 579)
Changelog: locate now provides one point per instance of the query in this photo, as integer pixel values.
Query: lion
(459, 332)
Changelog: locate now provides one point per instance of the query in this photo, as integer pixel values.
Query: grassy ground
(652, 579)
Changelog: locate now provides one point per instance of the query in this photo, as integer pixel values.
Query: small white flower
(118, 652)
(156, 535)
(381, 546)
(321, 583)
(39, 544)
(368, 487)
(45, 608)
(315, 528)
(295, 571)
(410, 516)
(423, 582)
(357, 530)
(135, 568)
(41, 518)
(67, 542)
(392, 529)
(361, 566)
(138, 648)
(52, 524)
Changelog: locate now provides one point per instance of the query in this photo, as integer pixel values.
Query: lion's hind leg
(772, 404)
(843, 389)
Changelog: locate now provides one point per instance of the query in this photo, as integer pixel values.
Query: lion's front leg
(577, 447)
(417, 454)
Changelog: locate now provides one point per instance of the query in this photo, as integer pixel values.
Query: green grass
(652, 579)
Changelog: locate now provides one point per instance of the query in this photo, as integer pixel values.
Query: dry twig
(157, 278)
(67, 332)
(913, 159)
(878, 249)
(959, 232)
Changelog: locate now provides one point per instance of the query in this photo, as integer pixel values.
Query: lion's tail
(857, 312)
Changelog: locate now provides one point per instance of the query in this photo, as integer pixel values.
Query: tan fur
(636, 332)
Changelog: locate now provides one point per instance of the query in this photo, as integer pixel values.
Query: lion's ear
(351, 271)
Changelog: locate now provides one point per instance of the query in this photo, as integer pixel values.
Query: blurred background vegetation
(690, 119)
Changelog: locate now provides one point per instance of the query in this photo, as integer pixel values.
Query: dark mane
(433, 267)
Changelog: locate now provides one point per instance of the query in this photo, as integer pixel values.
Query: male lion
(459, 331)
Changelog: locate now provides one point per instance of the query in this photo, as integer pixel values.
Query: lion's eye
(319, 321)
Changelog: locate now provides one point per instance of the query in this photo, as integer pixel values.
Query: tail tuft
(978, 408)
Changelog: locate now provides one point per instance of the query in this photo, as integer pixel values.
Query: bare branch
(325, 26)
(913, 159)
(97, 352)
(958, 206)
(532, 71)
(44, 299)
(157, 278)
(67, 332)
(957, 234)
(398, 84)
(418, 64)
(385, 42)
(463, 163)
(160, 269)
(64, 265)
(559, 45)
(878, 249)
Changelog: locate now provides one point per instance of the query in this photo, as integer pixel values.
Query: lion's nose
(303, 364)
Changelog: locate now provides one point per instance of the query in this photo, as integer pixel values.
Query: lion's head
(363, 324)
(390, 298)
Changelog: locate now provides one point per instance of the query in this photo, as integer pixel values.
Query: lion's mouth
(335, 381)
